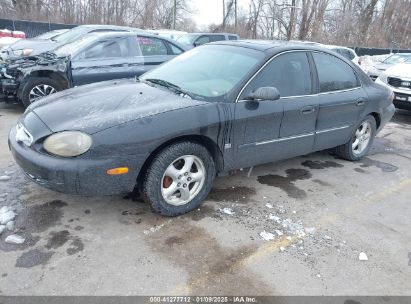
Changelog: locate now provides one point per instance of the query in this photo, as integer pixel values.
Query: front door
(271, 130)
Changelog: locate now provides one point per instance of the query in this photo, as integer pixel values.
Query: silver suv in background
(192, 40)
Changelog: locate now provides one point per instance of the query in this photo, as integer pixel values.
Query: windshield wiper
(173, 87)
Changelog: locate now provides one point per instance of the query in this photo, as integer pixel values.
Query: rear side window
(217, 38)
(289, 73)
(334, 74)
(152, 46)
(231, 37)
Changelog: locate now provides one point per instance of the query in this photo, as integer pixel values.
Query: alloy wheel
(183, 180)
(362, 137)
(39, 91)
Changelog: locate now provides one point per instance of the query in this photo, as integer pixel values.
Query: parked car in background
(346, 52)
(398, 79)
(6, 41)
(34, 46)
(171, 34)
(94, 57)
(216, 108)
(196, 39)
(388, 62)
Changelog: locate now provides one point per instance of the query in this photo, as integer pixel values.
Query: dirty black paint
(33, 258)
(318, 164)
(287, 183)
(237, 194)
(57, 239)
(76, 246)
(385, 167)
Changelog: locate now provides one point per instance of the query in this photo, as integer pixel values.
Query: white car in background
(346, 52)
(398, 79)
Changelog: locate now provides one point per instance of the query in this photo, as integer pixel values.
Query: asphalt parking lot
(321, 210)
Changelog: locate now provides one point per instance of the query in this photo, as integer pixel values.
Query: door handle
(308, 110)
(360, 102)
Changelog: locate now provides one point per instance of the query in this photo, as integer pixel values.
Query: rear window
(231, 37)
(217, 38)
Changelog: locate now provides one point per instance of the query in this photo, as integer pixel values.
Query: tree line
(373, 23)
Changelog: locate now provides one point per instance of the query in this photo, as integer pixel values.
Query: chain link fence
(32, 28)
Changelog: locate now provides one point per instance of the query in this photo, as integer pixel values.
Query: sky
(211, 11)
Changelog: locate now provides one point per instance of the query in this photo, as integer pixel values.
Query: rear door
(273, 130)
(341, 100)
(106, 59)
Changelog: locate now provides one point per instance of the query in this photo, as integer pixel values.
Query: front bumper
(402, 97)
(71, 175)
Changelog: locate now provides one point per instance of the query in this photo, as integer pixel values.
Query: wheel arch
(50, 74)
(211, 146)
(377, 118)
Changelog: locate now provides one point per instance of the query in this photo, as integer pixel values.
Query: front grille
(399, 83)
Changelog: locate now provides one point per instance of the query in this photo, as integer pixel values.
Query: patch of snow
(267, 236)
(310, 230)
(10, 225)
(15, 239)
(362, 256)
(4, 178)
(7, 216)
(226, 210)
(274, 218)
(282, 249)
(279, 232)
(269, 206)
(327, 237)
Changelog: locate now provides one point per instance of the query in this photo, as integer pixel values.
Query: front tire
(361, 141)
(37, 88)
(179, 178)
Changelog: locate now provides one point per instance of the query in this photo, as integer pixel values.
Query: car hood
(382, 66)
(38, 45)
(402, 70)
(93, 108)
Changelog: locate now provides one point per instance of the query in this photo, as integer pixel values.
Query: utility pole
(223, 15)
(235, 14)
(174, 14)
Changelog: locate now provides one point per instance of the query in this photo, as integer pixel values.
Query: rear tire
(179, 178)
(360, 142)
(39, 86)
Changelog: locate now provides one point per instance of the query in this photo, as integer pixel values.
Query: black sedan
(216, 108)
(95, 57)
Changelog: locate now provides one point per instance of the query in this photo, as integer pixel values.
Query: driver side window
(288, 72)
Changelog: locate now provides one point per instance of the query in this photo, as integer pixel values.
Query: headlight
(23, 52)
(383, 77)
(68, 143)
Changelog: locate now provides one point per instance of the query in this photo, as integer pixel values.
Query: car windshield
(50, 34)
(70, 35)
(186, 39)
(70, 48)
(208, 71)
(397, 58)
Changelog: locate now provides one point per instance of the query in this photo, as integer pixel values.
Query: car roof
(207, 33)
(271, 46)
(99, 35)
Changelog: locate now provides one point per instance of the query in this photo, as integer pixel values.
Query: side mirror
(265, 93)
